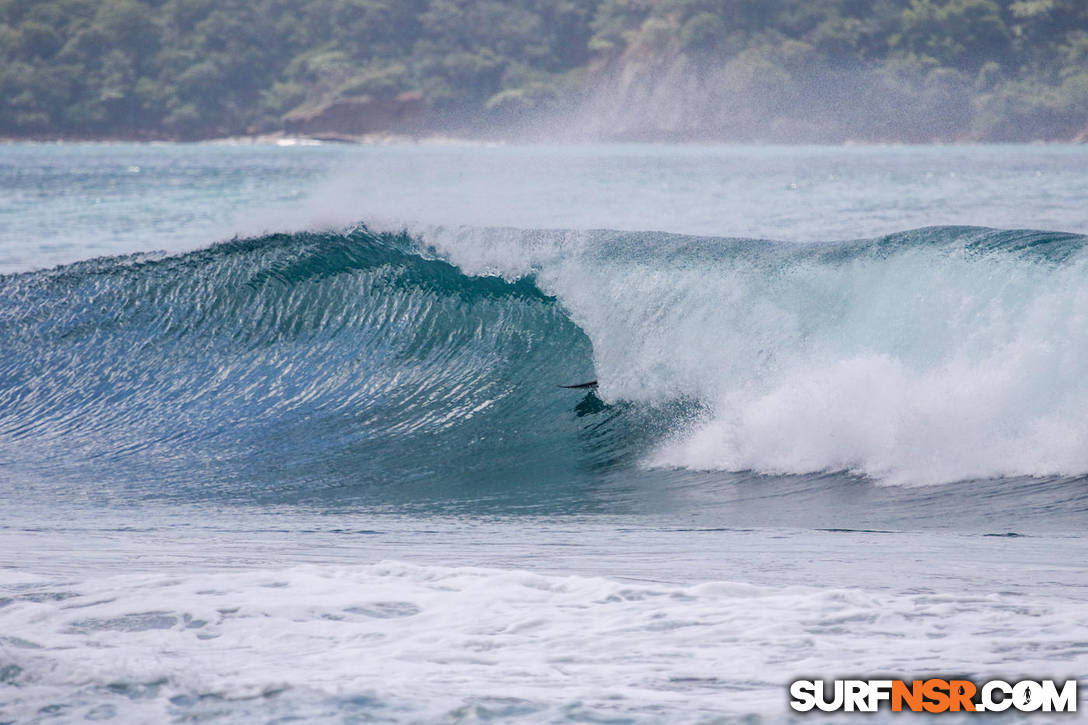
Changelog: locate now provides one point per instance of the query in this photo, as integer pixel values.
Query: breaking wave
(375, 365)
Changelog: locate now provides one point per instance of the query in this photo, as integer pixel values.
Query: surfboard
(590, 384)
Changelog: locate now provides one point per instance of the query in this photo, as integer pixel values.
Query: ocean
(283, 437)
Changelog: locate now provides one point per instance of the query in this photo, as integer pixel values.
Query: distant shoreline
(397, 139)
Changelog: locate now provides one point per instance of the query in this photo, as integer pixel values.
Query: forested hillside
(729, 69)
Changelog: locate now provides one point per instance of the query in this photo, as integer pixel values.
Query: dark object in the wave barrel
(590, 384)
(590, 405)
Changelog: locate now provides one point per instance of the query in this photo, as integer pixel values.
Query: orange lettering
(911, 695)
(936, 692)
(961, 692)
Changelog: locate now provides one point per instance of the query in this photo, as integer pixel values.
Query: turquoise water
(282, 436)
(63, 202)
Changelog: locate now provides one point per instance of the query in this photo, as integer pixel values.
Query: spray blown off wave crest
(374, 365)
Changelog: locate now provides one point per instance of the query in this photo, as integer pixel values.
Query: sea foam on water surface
(395, 640)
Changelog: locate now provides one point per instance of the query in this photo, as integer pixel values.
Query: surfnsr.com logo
(933, 695)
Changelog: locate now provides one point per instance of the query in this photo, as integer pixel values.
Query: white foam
(929, 365)
(427, 643)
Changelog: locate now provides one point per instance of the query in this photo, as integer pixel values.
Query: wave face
(293, 363)
(372, 365)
